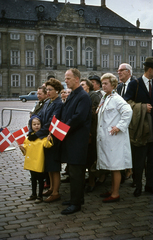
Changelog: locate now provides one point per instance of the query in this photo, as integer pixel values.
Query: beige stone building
(41, 38)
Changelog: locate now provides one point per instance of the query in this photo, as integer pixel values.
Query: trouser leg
(76, 173)
(149, 172)
(33, 182)
(138, 164)
(40, 177)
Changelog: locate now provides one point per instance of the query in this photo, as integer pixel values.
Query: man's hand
(149, 107)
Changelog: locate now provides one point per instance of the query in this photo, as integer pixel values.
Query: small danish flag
(6, 139)
(58, 128)
(20, 135)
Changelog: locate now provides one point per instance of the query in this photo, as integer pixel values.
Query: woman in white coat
(113, 143)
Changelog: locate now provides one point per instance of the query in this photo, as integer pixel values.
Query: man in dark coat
(142, 92)
(77, 114)
(125, 76)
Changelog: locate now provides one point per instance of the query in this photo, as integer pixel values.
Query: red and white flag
(20, 135)
(6, 139)
(58, 128)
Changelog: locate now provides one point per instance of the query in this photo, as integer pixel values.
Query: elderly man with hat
(140, 96)
(96, 85)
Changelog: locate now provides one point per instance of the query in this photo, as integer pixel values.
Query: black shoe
(71, 209)
(89, 189)
(68, 202)
(148, 189)
(137, 192)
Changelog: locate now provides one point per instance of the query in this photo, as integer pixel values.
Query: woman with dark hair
(51, 107)
(92, 152)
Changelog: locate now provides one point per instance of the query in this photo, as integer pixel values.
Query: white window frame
(69, 56)
(117, 60)
(0, 80)
(15, 57)
(143, 44)
(132, 43)
(15, 80)
(29, 79)
(14, 36)
(142, 60)
(29, 37)
(89, 57)
(48, 56)
(105, 41)
(117, 42)
(132, 61)
(30, 58)
(105, 61)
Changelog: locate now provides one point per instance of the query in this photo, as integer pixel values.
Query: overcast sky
(130, 10)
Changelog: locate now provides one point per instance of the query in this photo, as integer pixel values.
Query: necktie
(150, 88)
(123, 89)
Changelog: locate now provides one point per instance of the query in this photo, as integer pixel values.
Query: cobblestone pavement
(131, 218)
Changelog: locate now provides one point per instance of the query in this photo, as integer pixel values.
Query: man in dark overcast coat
(77, 114)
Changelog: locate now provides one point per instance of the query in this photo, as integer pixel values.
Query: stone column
(63, 50)
(98, 54)
(58, 50)
(83, 51)
(42, 48)
(78, 51)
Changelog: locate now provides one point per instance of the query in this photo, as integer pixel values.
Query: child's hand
(22, 149)
(49, 137)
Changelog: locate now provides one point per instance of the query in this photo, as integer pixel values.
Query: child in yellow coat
(34, 158)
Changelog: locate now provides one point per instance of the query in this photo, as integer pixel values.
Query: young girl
(34, 158)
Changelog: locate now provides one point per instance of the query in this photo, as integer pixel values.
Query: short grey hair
(128, 67)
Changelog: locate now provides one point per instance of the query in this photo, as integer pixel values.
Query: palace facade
(41, 38)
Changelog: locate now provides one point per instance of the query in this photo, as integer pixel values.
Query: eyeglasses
(121, 70)
(49, 89)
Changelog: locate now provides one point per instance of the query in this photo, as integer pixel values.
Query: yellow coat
(34, 156)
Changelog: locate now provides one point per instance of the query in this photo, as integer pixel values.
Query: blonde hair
(112, 78)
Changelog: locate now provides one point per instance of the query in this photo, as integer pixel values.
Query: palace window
(142, 60)
(132, 43)
(117, 61)
(15, 57)
(69, 56)
(14, 36)
(132, 61)
(105, 41)
(30, 58)
(143, 44)
(89, 57)
(48, 56)
(30, 80)
(29, 37)
(117, 42)
(15, 80)
(105, 61)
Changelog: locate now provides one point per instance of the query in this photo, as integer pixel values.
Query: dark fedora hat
(148, 62)
(95, 77)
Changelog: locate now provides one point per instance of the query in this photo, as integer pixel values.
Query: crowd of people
(111, 128)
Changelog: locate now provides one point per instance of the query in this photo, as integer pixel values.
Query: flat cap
(94, 77)
(148, 62)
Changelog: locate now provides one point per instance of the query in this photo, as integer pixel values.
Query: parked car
(31, 96)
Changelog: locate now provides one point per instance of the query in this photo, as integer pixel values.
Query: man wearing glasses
(125, 76)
